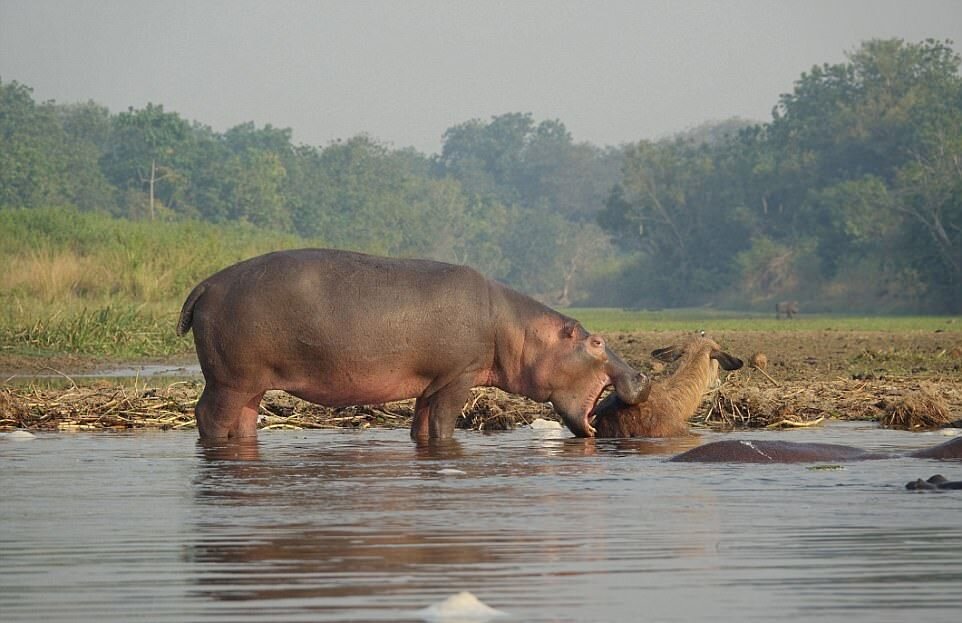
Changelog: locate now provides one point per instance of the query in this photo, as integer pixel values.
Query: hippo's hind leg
(224, 413)
(436, 414)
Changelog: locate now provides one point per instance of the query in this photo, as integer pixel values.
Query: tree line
(849, 198)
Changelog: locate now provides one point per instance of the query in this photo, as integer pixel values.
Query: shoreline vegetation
(91, 286)
(84, 292)
(907, 378)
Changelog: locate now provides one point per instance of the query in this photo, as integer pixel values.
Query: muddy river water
(365, 526)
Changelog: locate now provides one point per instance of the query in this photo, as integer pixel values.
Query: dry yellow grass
(106, 406)
(742, 401)
(896, 402)
(54, 276)
(922, 409)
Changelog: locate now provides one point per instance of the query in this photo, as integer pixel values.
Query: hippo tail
(187, 311)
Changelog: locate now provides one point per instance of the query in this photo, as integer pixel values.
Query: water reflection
(368, 521)
(640, 446)
(439, 449)
(218, 450)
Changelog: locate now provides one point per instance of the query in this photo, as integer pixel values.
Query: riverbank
(910, 379)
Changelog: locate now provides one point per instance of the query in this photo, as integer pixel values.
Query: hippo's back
(342, 286)
(947, 451)
(292, 318)
(771, 451)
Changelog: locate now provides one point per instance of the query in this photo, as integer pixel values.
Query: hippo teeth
(592, 415)
(588, 421)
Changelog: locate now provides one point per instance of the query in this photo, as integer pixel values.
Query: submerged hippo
(937, 481)
(339, 328)
(770, 451)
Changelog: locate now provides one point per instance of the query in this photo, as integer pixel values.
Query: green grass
(62, 256)
(83, 283)
(618, 320)
(125, 332)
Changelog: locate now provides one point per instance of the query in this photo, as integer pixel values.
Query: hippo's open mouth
(591, 412)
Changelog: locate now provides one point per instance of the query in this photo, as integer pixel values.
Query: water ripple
(333, 526)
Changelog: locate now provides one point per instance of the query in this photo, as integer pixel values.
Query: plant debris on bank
(910, 380)
(740, 402)
(109, 406)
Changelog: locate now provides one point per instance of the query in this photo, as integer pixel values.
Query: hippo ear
(569, 329)
(667, 354)
(726, 361)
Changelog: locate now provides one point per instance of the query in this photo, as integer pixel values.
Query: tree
(485, 157)
(150, 150)
(669, 207)
(515, 161)
(41, 163)
(246, 136)
(877, 139)
(253, 187)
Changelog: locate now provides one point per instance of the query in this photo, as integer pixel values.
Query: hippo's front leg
(436, 414)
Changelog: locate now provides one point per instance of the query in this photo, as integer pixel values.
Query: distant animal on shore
(672, 400)
(786, 309)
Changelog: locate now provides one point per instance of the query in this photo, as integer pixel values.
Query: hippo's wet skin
(950, 450)
(934, 483)
(765, 451)
(769, 451)
(339, 328)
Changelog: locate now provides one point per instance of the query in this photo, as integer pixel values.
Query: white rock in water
(461, 608)
(20, 435)
(450, 471)
(543, 424)
(950, 432)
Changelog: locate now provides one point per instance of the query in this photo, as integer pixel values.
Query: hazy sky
(404, 71)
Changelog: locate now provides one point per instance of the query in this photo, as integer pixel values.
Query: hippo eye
(597, 342)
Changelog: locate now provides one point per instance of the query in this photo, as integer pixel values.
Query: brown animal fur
(760, 361)
(672, 400)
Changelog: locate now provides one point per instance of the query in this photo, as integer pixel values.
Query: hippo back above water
(339, 328)
(777, 451)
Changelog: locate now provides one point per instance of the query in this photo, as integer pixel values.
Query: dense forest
(848, 199)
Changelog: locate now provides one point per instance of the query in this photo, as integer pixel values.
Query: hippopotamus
(935, 482)
(339, 328)
(770, 451)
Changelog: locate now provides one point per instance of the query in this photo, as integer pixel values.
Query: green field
(147, 331)
(618, 320)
